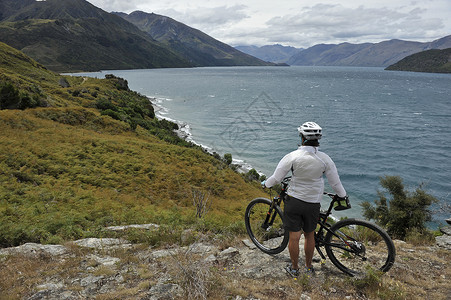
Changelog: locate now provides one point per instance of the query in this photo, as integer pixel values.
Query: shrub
(228, 158)
(404, 212)
(9, 95)
(252, 175)
(12, 98)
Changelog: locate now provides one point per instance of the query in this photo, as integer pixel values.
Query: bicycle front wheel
(265, 226)
(357, 246)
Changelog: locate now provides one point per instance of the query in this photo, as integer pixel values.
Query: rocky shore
(112, 268)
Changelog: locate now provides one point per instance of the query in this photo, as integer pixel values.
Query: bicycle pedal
(323, 261)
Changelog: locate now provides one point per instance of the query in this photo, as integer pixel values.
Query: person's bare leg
(309, 248)
(293, 248)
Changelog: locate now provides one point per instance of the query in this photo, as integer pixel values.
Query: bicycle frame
(322, 222)
(325, 226)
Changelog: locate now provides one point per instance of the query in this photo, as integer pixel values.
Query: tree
(404, 212)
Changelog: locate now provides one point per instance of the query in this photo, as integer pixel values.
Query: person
(302, 204)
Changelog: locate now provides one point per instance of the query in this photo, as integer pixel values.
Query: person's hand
(263, 183)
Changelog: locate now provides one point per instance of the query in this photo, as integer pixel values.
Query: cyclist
(302, 205)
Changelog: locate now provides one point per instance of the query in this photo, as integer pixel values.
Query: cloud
(336, 23)
(322, 21)
(115, 5)
(206, 17)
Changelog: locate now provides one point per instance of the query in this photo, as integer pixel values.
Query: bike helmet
(310, 131)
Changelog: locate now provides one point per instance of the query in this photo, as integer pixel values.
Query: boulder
(33, 249)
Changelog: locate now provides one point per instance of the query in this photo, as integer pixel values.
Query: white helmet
(310, 131)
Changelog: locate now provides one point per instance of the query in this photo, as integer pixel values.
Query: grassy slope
(67, 171)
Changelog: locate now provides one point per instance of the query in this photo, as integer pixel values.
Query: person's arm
(281, 171)
(334, 179)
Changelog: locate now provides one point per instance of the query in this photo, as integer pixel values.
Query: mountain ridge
(197, 47)
(274, 53)
(380, 54)
(74, 35)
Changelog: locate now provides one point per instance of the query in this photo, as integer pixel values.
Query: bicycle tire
(272, 238)
(364, 246)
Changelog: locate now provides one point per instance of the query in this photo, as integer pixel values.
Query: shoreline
(184, 132)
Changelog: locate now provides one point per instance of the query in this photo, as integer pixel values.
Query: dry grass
(419, 273)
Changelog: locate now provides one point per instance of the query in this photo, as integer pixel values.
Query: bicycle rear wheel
(265, 226)
(357, 246)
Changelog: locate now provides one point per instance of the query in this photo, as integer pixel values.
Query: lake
(374, 122)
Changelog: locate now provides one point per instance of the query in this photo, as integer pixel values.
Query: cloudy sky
(301, 23)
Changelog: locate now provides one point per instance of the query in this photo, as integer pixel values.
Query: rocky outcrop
(116, 268)
(445, 240)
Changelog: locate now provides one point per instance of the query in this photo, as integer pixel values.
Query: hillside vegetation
(432, 61)
(84, 153)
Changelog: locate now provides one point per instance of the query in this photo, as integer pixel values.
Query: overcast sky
(301, 23)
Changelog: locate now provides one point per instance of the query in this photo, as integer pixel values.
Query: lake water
(374, 122)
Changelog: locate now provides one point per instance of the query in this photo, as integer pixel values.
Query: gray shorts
(300, 215)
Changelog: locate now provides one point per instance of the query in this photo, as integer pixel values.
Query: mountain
(364, 55)
(273, 53)
(197, 47)
(74, 35)
(434, 61)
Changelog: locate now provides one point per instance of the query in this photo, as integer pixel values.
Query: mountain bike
(354, 246)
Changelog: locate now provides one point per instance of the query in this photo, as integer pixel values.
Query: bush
(252, 175)
(9, 96)
(228, 158)
(12, 98)
(404, 212)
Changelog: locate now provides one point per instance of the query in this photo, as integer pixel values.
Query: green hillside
(84, 153)
(73, 35)
(432, 61)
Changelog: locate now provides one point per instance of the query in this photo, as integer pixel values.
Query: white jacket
(308, 166)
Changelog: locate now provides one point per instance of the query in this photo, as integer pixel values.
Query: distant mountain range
(273, 53)
(74, 35)
(380, 54)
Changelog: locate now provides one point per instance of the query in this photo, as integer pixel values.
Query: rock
(105, 261)
(228, 253)
(137, 226)
(444, 241)
(99, 243)
(305, 297)
(165, 291)
(446, 230)
(90, 280)
(34, 249)
(249, 244)
(200, 248)
(63, 82)
(211, 258)
(162, 253)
